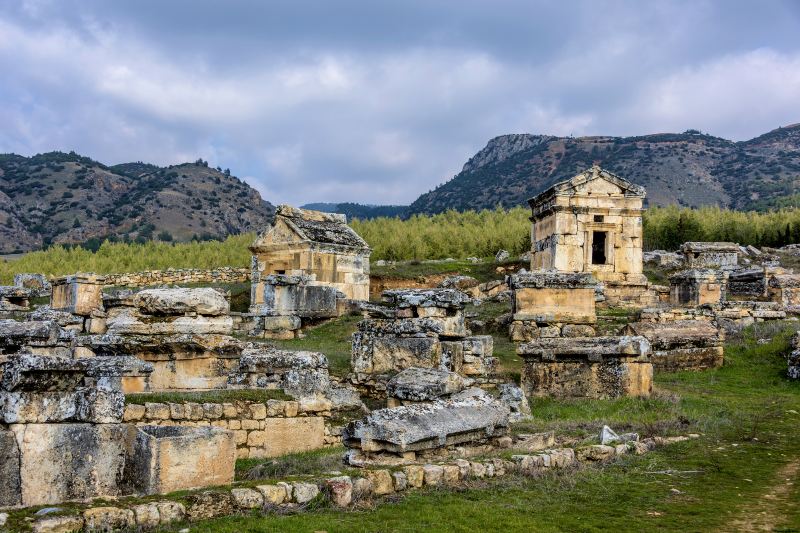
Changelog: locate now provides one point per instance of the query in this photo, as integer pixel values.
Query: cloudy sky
(379, 101)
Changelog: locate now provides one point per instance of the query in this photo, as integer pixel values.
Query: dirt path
(765, 514)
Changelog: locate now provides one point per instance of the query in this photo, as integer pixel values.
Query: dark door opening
(599, 247)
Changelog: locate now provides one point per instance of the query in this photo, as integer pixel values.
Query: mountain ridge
(689, 169)
(66, 198)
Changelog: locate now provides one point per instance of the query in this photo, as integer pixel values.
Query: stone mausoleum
(319, 246)
(592, 223)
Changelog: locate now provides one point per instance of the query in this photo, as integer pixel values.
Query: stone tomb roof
(315, 227)
(574, 185)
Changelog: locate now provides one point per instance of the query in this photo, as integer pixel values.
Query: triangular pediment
(598, 181)
(281, 232)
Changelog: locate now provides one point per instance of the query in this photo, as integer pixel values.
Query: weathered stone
(400, 481)
(426, 426)
(146, 515)
(170, 458)
(433, 475)
(596, 452)
(58, 524)
(273, 494)
(710, 254)
(10, 488)
(247, 498)
(340, 490)
(170, 512)
(444, 298)
(362, 488)
(304, 492)
(515, 399)
(282, 295)
(179, 301)
(80, 294)
(423, 384)
(299, 373)
(595, 367)
(82, 405)
(130, 322)
(698, 287)
(61, 462)
(108, 519)
(381, 481)
(415, 475)
(450, 474)
(208, 504)
(682, 344)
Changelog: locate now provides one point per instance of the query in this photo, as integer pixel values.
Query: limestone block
(470, 416)
(208, 504)
(179, 301)
(170, 512)
(373, 354)
(340, 490)
(247, 498)
(415, 475)
(400, 481)
(273, 494)
(450, 474)
(290, 435)
(10, 488)
(554, 304)
(381, 480)
(83, 405)
(58, 524)
(304, 492)
(79, 294)
(146, 515)
(108, 519)
(423, 384)
(170, 458)
(433, 475)
(577, 330)
(61, 462)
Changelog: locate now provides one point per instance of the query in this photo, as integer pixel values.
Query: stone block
(180, 301)
(108, 519)
(291, 435)
(340, 490)
(303, 493)
(247, 498)
(415, 475)
(273, 494)
(10, 488)
(170, 458)
(62, 462)
(382, 482)
(433, 475)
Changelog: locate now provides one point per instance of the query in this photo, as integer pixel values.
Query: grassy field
(742, 474)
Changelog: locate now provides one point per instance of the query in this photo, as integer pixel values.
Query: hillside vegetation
(688, 169)
(65, 198)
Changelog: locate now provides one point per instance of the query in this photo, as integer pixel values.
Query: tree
(165, 236)
(77, 223)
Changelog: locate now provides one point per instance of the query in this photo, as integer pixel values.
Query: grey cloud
(380, 101)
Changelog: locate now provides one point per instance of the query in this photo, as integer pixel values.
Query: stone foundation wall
(268, 429)
(179, 276)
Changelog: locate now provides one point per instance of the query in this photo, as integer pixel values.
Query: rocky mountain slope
(689, 169)
(67, 198)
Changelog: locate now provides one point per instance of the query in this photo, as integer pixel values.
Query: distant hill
(361, 211)
(690, 169)
(67, 198)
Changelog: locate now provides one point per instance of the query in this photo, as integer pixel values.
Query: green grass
(746, 413)
(210, 396)
(315, 462)
(333, 338)
(483, 271)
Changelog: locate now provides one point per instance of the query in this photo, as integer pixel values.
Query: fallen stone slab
(413, 428)
(682, 344)
(423, 384)
(444, 298)
(202, 301)
(298, 373)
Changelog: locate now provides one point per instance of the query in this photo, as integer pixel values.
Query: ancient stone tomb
(592, 223)
(420, 328)
(308, 243)
(588, 367)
